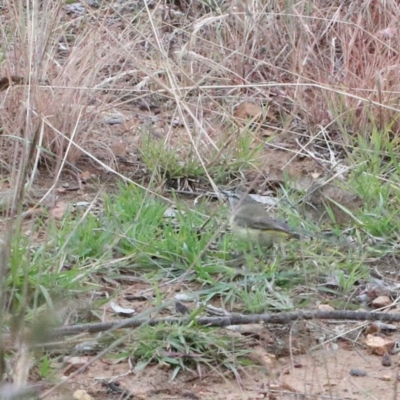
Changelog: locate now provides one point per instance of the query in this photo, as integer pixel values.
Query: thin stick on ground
(281, 319)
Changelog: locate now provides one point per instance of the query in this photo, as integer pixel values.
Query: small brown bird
(250, 222)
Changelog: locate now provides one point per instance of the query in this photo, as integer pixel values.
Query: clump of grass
(157, 241)
(170, 161)
(167, 163)
(188, 348)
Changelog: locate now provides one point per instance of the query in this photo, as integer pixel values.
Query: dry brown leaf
(253, 111)
(59, 210)
(246, 110)
(82, 395)
(259, 330)
(372, 328)
(262, 357)
(74, 363)
(386, 378)
(76, 360)
(118, 148)
(379, 345)
(325, 307)
(85, 176)
(381, 301)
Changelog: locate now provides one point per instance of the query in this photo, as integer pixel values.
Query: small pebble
(181, 308)
(386, 360)
(114, 121)
(357, 372)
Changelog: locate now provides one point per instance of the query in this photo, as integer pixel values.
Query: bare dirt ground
(323, 374)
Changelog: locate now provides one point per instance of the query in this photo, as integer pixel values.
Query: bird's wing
(262, 223)
(268, 223)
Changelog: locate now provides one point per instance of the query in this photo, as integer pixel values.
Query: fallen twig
(281, 319)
